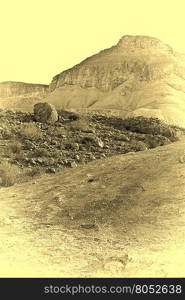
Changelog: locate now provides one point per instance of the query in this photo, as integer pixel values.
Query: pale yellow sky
(40, 38)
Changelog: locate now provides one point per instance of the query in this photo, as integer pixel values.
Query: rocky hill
(138, 76)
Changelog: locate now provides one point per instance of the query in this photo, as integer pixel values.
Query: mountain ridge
(126, 45)
(140, 75)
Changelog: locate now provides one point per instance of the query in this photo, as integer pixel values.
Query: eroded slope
(122, 216)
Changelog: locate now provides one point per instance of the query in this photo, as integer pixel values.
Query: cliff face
(140, 75)
(143, 57)
(11, 89)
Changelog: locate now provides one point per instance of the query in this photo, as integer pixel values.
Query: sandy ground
(129, 222)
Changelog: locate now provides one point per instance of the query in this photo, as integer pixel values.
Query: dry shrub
(9, 174)
(15, 147)
(31, 131)
(6, 134)
(34, 172)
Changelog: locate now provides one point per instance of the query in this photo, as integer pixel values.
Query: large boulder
(45, 113)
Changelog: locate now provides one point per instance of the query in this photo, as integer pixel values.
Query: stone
(92, 140)
(45, 113)
(75, 146)
(71, 164)
(51, 170)
(82, 148)
(77, 157)
(39, 160)
(32, 161)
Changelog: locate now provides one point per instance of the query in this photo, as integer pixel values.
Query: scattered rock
(77, 157)
(61, 147)
(51, 170)
(71, 164)
(92, 140)
(75, 146)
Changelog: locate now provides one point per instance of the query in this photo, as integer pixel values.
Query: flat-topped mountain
(140, 75)
(13, 88)
(21, 95)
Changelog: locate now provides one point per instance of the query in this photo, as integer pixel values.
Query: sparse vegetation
(81, 124)
(152, 126)
(31, 131)
(34, 172)
(15, 147)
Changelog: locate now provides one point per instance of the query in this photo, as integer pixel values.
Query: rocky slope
(38, 147)
(138, 76)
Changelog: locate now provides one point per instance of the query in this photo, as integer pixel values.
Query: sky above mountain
(40, 38)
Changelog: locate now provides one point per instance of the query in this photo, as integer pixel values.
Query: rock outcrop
(144, 57)
(45, 113)
(139, 76)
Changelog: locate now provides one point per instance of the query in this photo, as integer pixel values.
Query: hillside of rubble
(31, 148)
